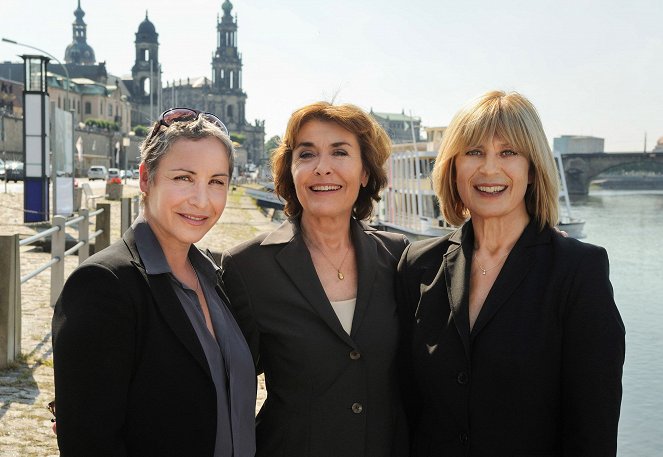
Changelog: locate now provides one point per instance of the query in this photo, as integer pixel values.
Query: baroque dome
(146, 31)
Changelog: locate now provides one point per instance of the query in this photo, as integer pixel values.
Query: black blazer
(540, 372)
(330, 394)
(131, 378)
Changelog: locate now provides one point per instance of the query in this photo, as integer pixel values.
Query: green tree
(103, 124)
(141, 130)
(272, 144)
(238, 137)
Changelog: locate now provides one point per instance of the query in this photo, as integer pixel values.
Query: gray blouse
(217, 350)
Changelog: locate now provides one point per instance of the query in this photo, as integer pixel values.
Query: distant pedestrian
(148, 359)
(513, 344)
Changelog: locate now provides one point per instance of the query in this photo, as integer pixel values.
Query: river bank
(628, 182)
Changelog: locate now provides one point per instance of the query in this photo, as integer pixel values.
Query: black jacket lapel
(296, 262)
(367, 256)
(169, 306)
(456, 273)
(519, 262)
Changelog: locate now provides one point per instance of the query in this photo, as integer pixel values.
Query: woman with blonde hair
(512, 342)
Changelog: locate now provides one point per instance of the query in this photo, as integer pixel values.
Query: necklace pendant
(340, 275)
(483, 272)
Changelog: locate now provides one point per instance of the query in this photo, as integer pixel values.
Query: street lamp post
(66, 87)
(67, 107)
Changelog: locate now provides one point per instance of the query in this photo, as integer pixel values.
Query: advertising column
(35, 139)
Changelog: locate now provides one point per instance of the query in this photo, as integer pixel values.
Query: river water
(629, 224)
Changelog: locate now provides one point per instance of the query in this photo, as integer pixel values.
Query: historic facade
(145, 82)
(93, 93)
(399, 126)
(223, 94)
(79, 52)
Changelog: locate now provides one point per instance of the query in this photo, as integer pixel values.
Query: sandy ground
(27, 386)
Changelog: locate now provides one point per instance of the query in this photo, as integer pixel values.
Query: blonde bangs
(512, 118)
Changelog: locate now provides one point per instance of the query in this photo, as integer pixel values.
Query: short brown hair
(513, 118)
(373, 142)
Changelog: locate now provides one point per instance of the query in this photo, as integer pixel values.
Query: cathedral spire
(79, 52)
(79, 13)
(227, 7)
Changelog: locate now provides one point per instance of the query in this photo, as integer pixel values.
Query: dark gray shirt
(216, 349)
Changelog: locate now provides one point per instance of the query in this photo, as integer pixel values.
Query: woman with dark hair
(322, 322)
(513, 344)
(148, 358)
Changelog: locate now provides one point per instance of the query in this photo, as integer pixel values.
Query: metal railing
(10, 269)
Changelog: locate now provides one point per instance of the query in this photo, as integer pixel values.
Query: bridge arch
(580, 169)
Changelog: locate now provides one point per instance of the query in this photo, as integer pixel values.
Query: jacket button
(357, 408)
(355, 355)
(462, 378)
(463, 439)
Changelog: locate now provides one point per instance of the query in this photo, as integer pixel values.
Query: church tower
(79, 52)
(227, 67)
(146, 73)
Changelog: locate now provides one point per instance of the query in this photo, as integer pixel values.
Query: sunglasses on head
(170, 116)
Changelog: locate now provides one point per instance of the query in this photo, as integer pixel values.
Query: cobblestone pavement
(27, 386)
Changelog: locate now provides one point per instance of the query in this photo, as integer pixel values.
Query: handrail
(38, 236)
(11, 279)
(74, 248)
(95, 234)
(74, 220)
(53, 230)
(34, 273)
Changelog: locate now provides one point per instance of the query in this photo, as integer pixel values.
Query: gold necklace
(484, 270)
(339, 274)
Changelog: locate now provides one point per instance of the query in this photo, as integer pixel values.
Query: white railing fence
(10, 268)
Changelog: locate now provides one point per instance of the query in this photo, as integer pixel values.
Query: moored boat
(571, 225)
(265, 196)
(409, 205)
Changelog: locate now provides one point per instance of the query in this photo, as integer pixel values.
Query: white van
(97, 172)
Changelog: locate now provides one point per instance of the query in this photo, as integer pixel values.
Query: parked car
(126, 174)
(136, 172)
(97, 172)
(14, 171)
(113, 173)
(2, 169)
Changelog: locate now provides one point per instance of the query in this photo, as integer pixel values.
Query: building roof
(82, 81)
(195, 81)
(580, 137)
(79, 52)
(12, 71)
(78, 85)
(118, 82)
(395, 116)
(147, 33)
(93, 89)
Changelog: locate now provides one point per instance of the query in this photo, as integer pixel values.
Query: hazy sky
(591, 67)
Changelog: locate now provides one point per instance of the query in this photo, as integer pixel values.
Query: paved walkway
(27, 387)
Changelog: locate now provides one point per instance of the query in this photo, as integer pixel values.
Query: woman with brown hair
(322, 322)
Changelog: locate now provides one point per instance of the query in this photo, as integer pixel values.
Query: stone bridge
(580, 169)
